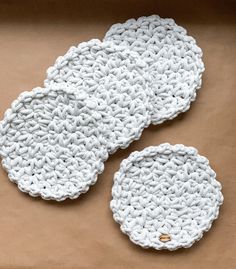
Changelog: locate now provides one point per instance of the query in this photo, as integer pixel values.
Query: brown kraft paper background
(82, 234)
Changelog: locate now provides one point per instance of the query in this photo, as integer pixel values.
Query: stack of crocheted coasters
(98, 98)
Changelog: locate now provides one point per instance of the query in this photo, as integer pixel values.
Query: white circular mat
(115, 75)
(165, 197)
(52, 144)
(173, 58)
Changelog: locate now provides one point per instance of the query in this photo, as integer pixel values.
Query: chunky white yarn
(165, 190)
(173, 58)
(51, 142)
(117, 76)
(98, 97)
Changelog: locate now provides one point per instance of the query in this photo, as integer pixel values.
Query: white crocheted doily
(117, 76)
(173, 58)
(51, 142)
(165, 197)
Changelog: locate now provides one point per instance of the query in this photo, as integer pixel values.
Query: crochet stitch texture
(173, 60)
(165, 192)
(117, 76)
(98, 98)
(51, 143)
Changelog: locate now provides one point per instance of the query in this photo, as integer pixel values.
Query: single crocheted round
(51, 142)
(173, 58)
(117, 76)
(165, 197)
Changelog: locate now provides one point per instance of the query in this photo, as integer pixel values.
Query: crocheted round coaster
(173, 58)
(165, 197)
(51, 144)
(115, 75)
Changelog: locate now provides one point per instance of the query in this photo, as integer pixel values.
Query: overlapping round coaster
(98, 97)
(117, 76)
(173, 58)
(165, 197)
(51, 142)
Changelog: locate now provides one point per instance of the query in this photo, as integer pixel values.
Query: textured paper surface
(81, 234)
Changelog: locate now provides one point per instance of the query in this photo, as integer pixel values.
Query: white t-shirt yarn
(114, 74)
(52, 143)
(165, 197)
(173, 58)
